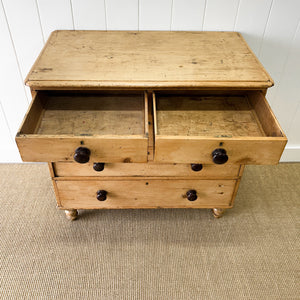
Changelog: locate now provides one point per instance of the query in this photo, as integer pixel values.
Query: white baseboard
(10, 155)
(291, 154)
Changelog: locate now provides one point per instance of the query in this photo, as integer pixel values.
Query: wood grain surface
(69, 169)
(149, 59)
(192, 127)
(145, 193)
(114, 128)
(206, 116)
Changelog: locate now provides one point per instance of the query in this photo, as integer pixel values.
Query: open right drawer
(232, 128)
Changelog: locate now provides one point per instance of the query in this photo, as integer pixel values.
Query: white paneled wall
(271, 27)
(220, 15)
(123, 14)
(89, 14)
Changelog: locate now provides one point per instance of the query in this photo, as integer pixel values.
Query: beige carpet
(250, 253)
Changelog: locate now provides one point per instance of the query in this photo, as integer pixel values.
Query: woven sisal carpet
(250, 253)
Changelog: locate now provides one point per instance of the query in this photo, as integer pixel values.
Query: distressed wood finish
(113, 127)
(219, 212)
(145, 194)
(147, 105)
(99, 59)
(190, 128)
(256, 151)
(206, 116)
(68, 169)
(105, 149)
(265, 114)
(93, 114)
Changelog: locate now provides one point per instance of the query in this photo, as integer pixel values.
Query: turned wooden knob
(98, 167)
(82, 155)
(191, 195)
(196, 167)
(101, 195)
(219, 156)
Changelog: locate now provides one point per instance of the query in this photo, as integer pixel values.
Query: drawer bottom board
(145, 194)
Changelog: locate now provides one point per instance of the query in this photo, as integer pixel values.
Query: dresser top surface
(147, 60)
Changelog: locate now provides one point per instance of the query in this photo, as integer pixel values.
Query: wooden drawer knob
(219, 156)
(82, 155)
(98, 167)
(101, 195)
(191, 195)
(196, 167)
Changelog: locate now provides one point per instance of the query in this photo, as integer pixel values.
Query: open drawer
(237, 128)
(85, 126)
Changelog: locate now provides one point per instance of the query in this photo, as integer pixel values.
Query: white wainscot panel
(294, 132)
(251, 21)
(13, 97)
(278, 37)
(155, 14)
(55, 14)
(220, 15)
(26, 32)
(288, 91)
(89, 14)
(122, 14)
(8, 149)
(187, 14)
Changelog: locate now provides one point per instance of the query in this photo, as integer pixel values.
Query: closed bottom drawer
(145, 193)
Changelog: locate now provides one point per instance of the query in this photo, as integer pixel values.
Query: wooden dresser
(148, 119)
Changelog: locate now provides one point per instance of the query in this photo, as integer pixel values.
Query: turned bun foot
(218, 212)
(71, 214)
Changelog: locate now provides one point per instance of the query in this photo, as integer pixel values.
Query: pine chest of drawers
(148, 119)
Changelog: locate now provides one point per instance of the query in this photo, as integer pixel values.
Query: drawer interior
(188, 127)
(86, 114)
(233, 127)
(219, 116)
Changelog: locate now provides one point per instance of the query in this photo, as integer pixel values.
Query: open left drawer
(85, 126)
(211, 127)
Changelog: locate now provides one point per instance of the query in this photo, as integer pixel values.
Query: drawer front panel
(191, 128)
(68, 169)
(101, 149)
(145, 194)
(239, 151)
(112, 126)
